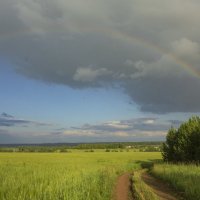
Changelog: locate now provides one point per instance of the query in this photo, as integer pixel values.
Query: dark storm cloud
(143, 46)
(7, 120)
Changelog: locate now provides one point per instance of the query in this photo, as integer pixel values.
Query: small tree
(183, 144)
(169, 150)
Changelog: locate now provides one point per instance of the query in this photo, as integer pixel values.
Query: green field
(77, 175)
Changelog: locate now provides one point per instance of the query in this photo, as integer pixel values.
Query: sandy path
(123, 188)
(161, 189)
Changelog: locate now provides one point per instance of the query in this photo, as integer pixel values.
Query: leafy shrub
(183, 144)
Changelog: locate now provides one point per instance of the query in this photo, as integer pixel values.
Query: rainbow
(125, 37)
(133, 39)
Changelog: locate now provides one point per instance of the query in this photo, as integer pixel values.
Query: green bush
(183, 144)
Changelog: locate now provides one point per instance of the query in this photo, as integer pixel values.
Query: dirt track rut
(161, 189)
(123, 188)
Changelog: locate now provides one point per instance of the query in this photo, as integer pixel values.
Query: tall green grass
(64, 176)
(184, 178)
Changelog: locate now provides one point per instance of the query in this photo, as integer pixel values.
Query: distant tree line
(183, 144)
(151, 146)
(136, 146)
(35, 149)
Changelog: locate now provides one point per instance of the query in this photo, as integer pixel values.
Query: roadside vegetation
(184, 178)
(181, 153)
(141, 191)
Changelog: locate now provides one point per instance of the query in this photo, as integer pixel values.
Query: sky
(97, 70)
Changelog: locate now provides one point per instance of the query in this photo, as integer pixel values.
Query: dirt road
(162, 190)
(123, 188)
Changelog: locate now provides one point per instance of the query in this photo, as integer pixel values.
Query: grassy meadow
(77, 175)
(184, 178)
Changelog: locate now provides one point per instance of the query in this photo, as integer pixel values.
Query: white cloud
(79, 133)
(139, 127)
(153, 133)
(185, 47)
(149, 121)
(116, 124)
(121, 134)
(88, 74)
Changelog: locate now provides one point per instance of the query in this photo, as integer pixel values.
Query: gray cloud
(6, 115)
(7, 120)
(138, 129)
(145, 47)
(127, 126)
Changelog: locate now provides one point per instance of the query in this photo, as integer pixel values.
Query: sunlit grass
(64, 176)
(184, 178)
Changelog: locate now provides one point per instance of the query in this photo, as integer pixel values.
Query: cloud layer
(146, 128)
(145, 47)
(7, 120)
(139, 129)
